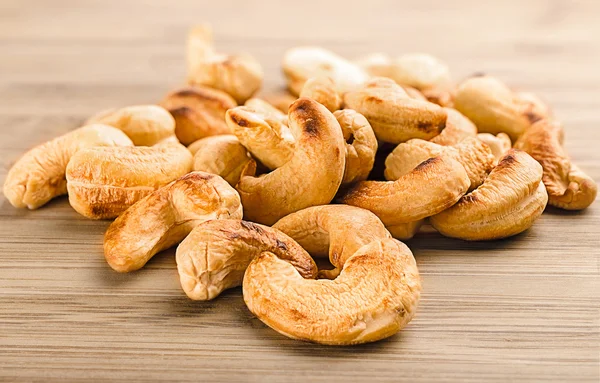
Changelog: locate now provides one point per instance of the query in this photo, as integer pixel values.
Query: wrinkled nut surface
(198, 111)
(238, 75)
(475, 156)
(165, 217)
(323, 90)
(433, 186)
(500, 144)
(39, 175)
(311, 177)
(301, 63)
(458, 127)
(215, 255)
(104, 181)
(419, 70)
(509, 201)
(494, 108)
(394, 116)
(145, 125)
(361, 145)
(568, 187)
(224, 156)
(375, 295)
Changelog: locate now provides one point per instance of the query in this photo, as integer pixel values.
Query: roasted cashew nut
(39, 175)
(500, 144)
(323, 90)
(311, 177)
(199, 112)
(165, 217)
(214, 256)
(105, 181)
(145, 125)
(394, 116)
(375, 295)
(568, 187)
(507, 203)
(458, 127)
(224, 156)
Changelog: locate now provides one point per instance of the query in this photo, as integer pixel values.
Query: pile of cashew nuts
(354, 157)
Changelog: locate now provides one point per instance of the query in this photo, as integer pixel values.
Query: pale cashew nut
(507, 203)
(165, 217)
(539, 107)
(361, 145)
(500, 144)
(215, 255)
(311, 177)
(458, 127)
(224, 156)
(376, 64)
(301, 63)
(238, 75)
(145, 125)
(104, 181)
(198, 111)
(394, 116)
(374, 297)
(323, 90)
(421, 71)
(568, 187)
(39, 175)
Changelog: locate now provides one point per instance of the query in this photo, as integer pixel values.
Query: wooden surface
(524, 309)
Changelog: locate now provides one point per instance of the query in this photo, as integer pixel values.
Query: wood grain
(524, 309)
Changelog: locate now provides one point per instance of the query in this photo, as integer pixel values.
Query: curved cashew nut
(214, 256)
(104, 181)
(311, 177)
(394, 116)
(568, 187)
(165, 217)
(458, 127)
(39, 175)
(323, 90)
(509, 201)
(500, 144)
(145, 125)
(238, 75)
(199, 112)
(224, 156)
(375, 296)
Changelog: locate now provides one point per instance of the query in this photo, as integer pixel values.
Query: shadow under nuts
(166, 216)
(224, 156)
(103, 182)
(39, 175)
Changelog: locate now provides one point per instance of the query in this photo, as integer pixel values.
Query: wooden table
(523, 309)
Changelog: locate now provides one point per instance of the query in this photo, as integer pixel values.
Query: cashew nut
(145, 125)
(376, 64)
(500, 144)
(104, 181)
(313, 174)
(215, 255)
(458, 127)
(223, 156)
(323, 90)
(238, 75)
(281, 99)
(421, 71)
(166, 216)
(443, 96)
(568, 187)
(507, 203)
(199, 112)
(375, 296)
(39, 175)
(394, 116)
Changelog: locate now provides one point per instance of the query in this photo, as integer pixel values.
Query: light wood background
(524, 309)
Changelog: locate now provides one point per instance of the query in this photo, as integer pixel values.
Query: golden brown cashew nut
(433, 186)
(500, 144)
(375, 296)
(458, 127)
(215, 255)
(394, 116)
(301, 63)
(323, 90)
(568, 187)
(238, 75)
(263, 107)
(508, 202)
(224, 156)
(311, 177)
(361, 145)
(39, 175)
(494, 108)
(199, 112)
(104, 181)
(145, 125)
(165, 217)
